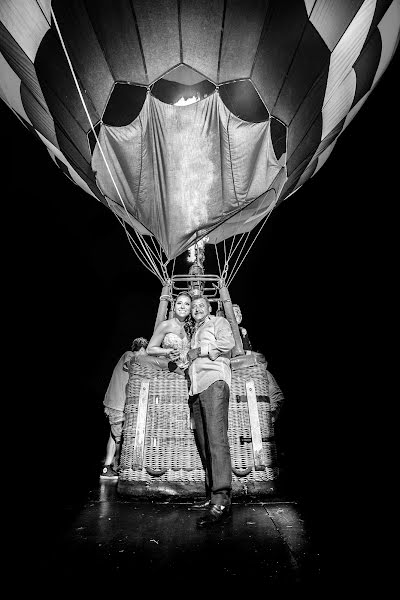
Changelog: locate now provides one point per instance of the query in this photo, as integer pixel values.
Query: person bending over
(114, 404)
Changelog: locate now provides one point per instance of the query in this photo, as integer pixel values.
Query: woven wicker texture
(170, 452)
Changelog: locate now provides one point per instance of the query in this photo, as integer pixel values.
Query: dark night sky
(79, 295)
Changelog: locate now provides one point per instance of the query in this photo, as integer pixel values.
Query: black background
(76, 296)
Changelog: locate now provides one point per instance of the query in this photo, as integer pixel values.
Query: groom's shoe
(203, 505)
(215, 515)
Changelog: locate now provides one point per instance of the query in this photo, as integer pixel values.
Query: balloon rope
(151, 262)
(149, 257)
(157, 250)
(233, 274)
(148, 252)
(233, 250)
(219, 266)
(152, 256)
(173, 268)
(241, 249)
(138, 250)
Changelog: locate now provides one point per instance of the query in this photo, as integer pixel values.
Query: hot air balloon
(192, 120)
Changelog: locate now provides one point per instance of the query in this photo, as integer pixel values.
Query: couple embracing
(202, 349)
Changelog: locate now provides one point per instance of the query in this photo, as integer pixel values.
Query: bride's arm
(154, 348)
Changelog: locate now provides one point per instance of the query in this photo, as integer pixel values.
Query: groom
(210, 376)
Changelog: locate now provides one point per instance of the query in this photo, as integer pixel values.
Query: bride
(171, 338)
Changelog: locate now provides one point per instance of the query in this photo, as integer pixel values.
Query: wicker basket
(170, 465)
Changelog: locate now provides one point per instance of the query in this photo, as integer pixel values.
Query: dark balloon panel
(278, 137)
(366, 66)
(241, 98)
(125, 104)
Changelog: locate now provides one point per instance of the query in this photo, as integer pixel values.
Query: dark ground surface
(99, 537)
(81, 533)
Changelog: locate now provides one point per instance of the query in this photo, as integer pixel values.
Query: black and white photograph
(197, 202)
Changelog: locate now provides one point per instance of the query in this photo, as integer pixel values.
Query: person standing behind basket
(275, 393)
(243, 332)
(210, 376)
(114, 405)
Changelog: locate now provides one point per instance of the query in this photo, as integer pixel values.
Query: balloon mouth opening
(179, 94)
(183, 86)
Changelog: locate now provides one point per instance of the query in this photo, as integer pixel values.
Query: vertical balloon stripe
(201, 25)
(306, 149)
(242, 30)
(159, 37)
(20, 63)
(276, 52)
(123, 51)
(84, 51)
(309, 4)
(323, 157)
(331, 18)
(339, 103)
(10, 85)
(309, 64)
(309, 112)
(314, 164)
(38, 114)
(389, 30)
(59, 89)
(366, 65)
(30, 94)
(348, 48)
(25, 22)
(381, 7)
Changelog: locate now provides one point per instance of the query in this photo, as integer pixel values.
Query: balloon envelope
(192, 118)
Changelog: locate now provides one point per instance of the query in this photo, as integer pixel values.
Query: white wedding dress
(171, 340)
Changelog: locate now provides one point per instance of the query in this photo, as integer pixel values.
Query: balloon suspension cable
(219, 266)
(226, 265)
(173, 268)
(233, 248)
(241, 249)
(233, 273)
(157, 250)
(146, 250)
(150, 265)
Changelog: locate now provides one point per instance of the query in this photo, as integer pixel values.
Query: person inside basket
(114, 404)
(274, 391)
(243, 332)
(171, 338)
(210, 377)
